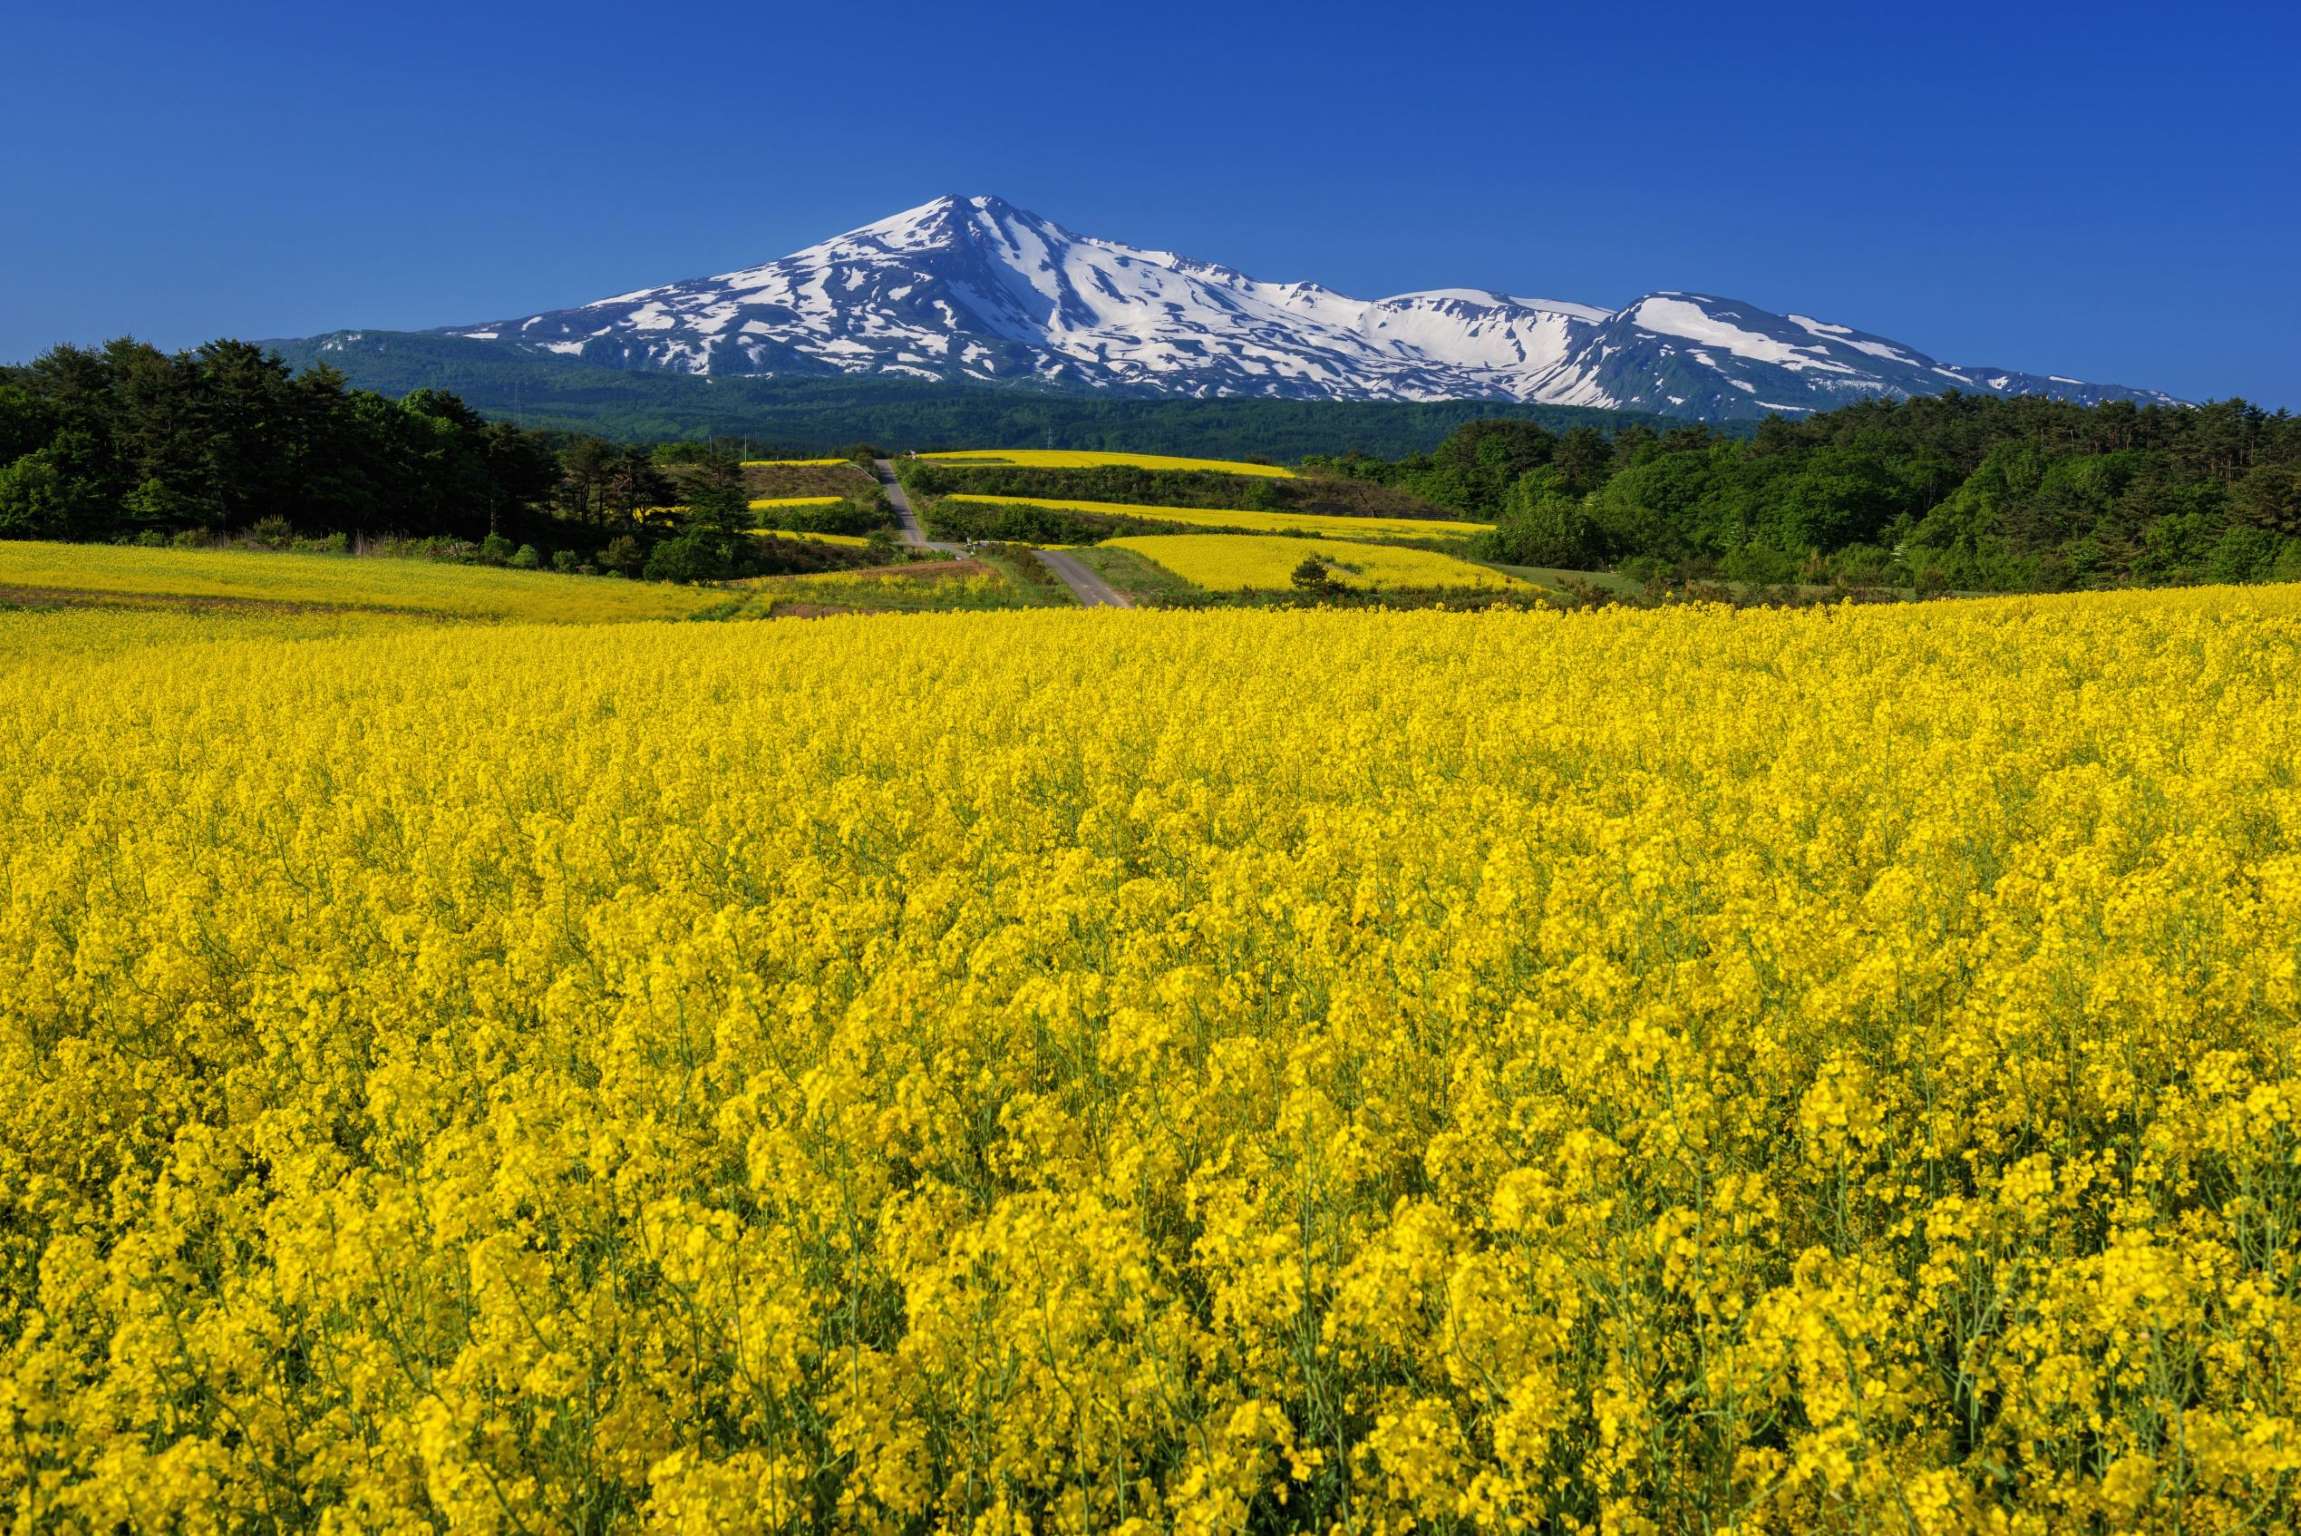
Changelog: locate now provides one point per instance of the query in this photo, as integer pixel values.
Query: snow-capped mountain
(976, 288)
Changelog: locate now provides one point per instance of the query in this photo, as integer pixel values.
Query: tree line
(1951, 491)
(125, 441)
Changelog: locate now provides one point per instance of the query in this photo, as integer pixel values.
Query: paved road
(1091, 590)
(900, 500)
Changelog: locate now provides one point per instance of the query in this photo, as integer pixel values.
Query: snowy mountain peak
(974, 287)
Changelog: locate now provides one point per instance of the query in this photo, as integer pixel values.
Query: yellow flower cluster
(847, 540)
(1315, 524)
(1204, 1072)
(907, 588)
(1069, 458)
(337, 581)
(1248, 562)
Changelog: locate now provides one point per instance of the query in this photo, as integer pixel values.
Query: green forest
(1947, 492)
(125, 442)
(788, 415)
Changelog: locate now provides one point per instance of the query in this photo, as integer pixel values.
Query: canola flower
(762, 503)
(929, 586)
(847, 540)
(1067, 458)
(1312, 523)
(794, 463)
(39, 629)
(1206, 1072)
(337, 581)
(1245, 562)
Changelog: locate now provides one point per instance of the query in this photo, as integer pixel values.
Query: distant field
(762, 503)
(921, 587)
(36, 631)
(1317, 525)
(1245, 562)
(336, 581)
(1065, 458)
(850, 540)
(785, 479)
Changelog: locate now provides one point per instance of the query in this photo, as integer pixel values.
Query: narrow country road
(1091, 590)
(900, 500)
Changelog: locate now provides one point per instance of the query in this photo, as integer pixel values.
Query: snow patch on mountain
(976, 288)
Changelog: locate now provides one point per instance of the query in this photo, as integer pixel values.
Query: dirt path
(1090, 589)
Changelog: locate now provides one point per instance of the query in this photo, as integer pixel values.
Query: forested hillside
(126, 442)
(1949, 492)
(818, 414)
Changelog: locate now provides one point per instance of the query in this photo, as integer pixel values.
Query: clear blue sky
(2106, 191)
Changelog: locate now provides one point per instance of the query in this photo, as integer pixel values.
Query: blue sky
(2106, 191)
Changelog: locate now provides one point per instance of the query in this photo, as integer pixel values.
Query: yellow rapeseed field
(340, 581)
(1066, 458)
(850, 540)
(910, 588)
(762, 503)
(793, 463)
(1205, 1072)
(1244, 562)
(1313, 523)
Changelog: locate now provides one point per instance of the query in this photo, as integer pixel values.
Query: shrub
(273, 532)
(525, 558)
(697, 556)
(623, 556)
(855, 514)
(1862, 565)
(1543, 529)
(1314, 575)
(1759, 565)
(495, 549)
(1646, 570)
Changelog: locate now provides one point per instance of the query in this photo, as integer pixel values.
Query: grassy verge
(1565, 580)
(1028, 575)
(995, 580)
(1147, 582)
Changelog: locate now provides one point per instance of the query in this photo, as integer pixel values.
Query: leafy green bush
(623, 556)
(852, 515)
(690, 557)
(272, 532)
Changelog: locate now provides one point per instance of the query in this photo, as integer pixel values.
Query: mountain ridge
(976, 289)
